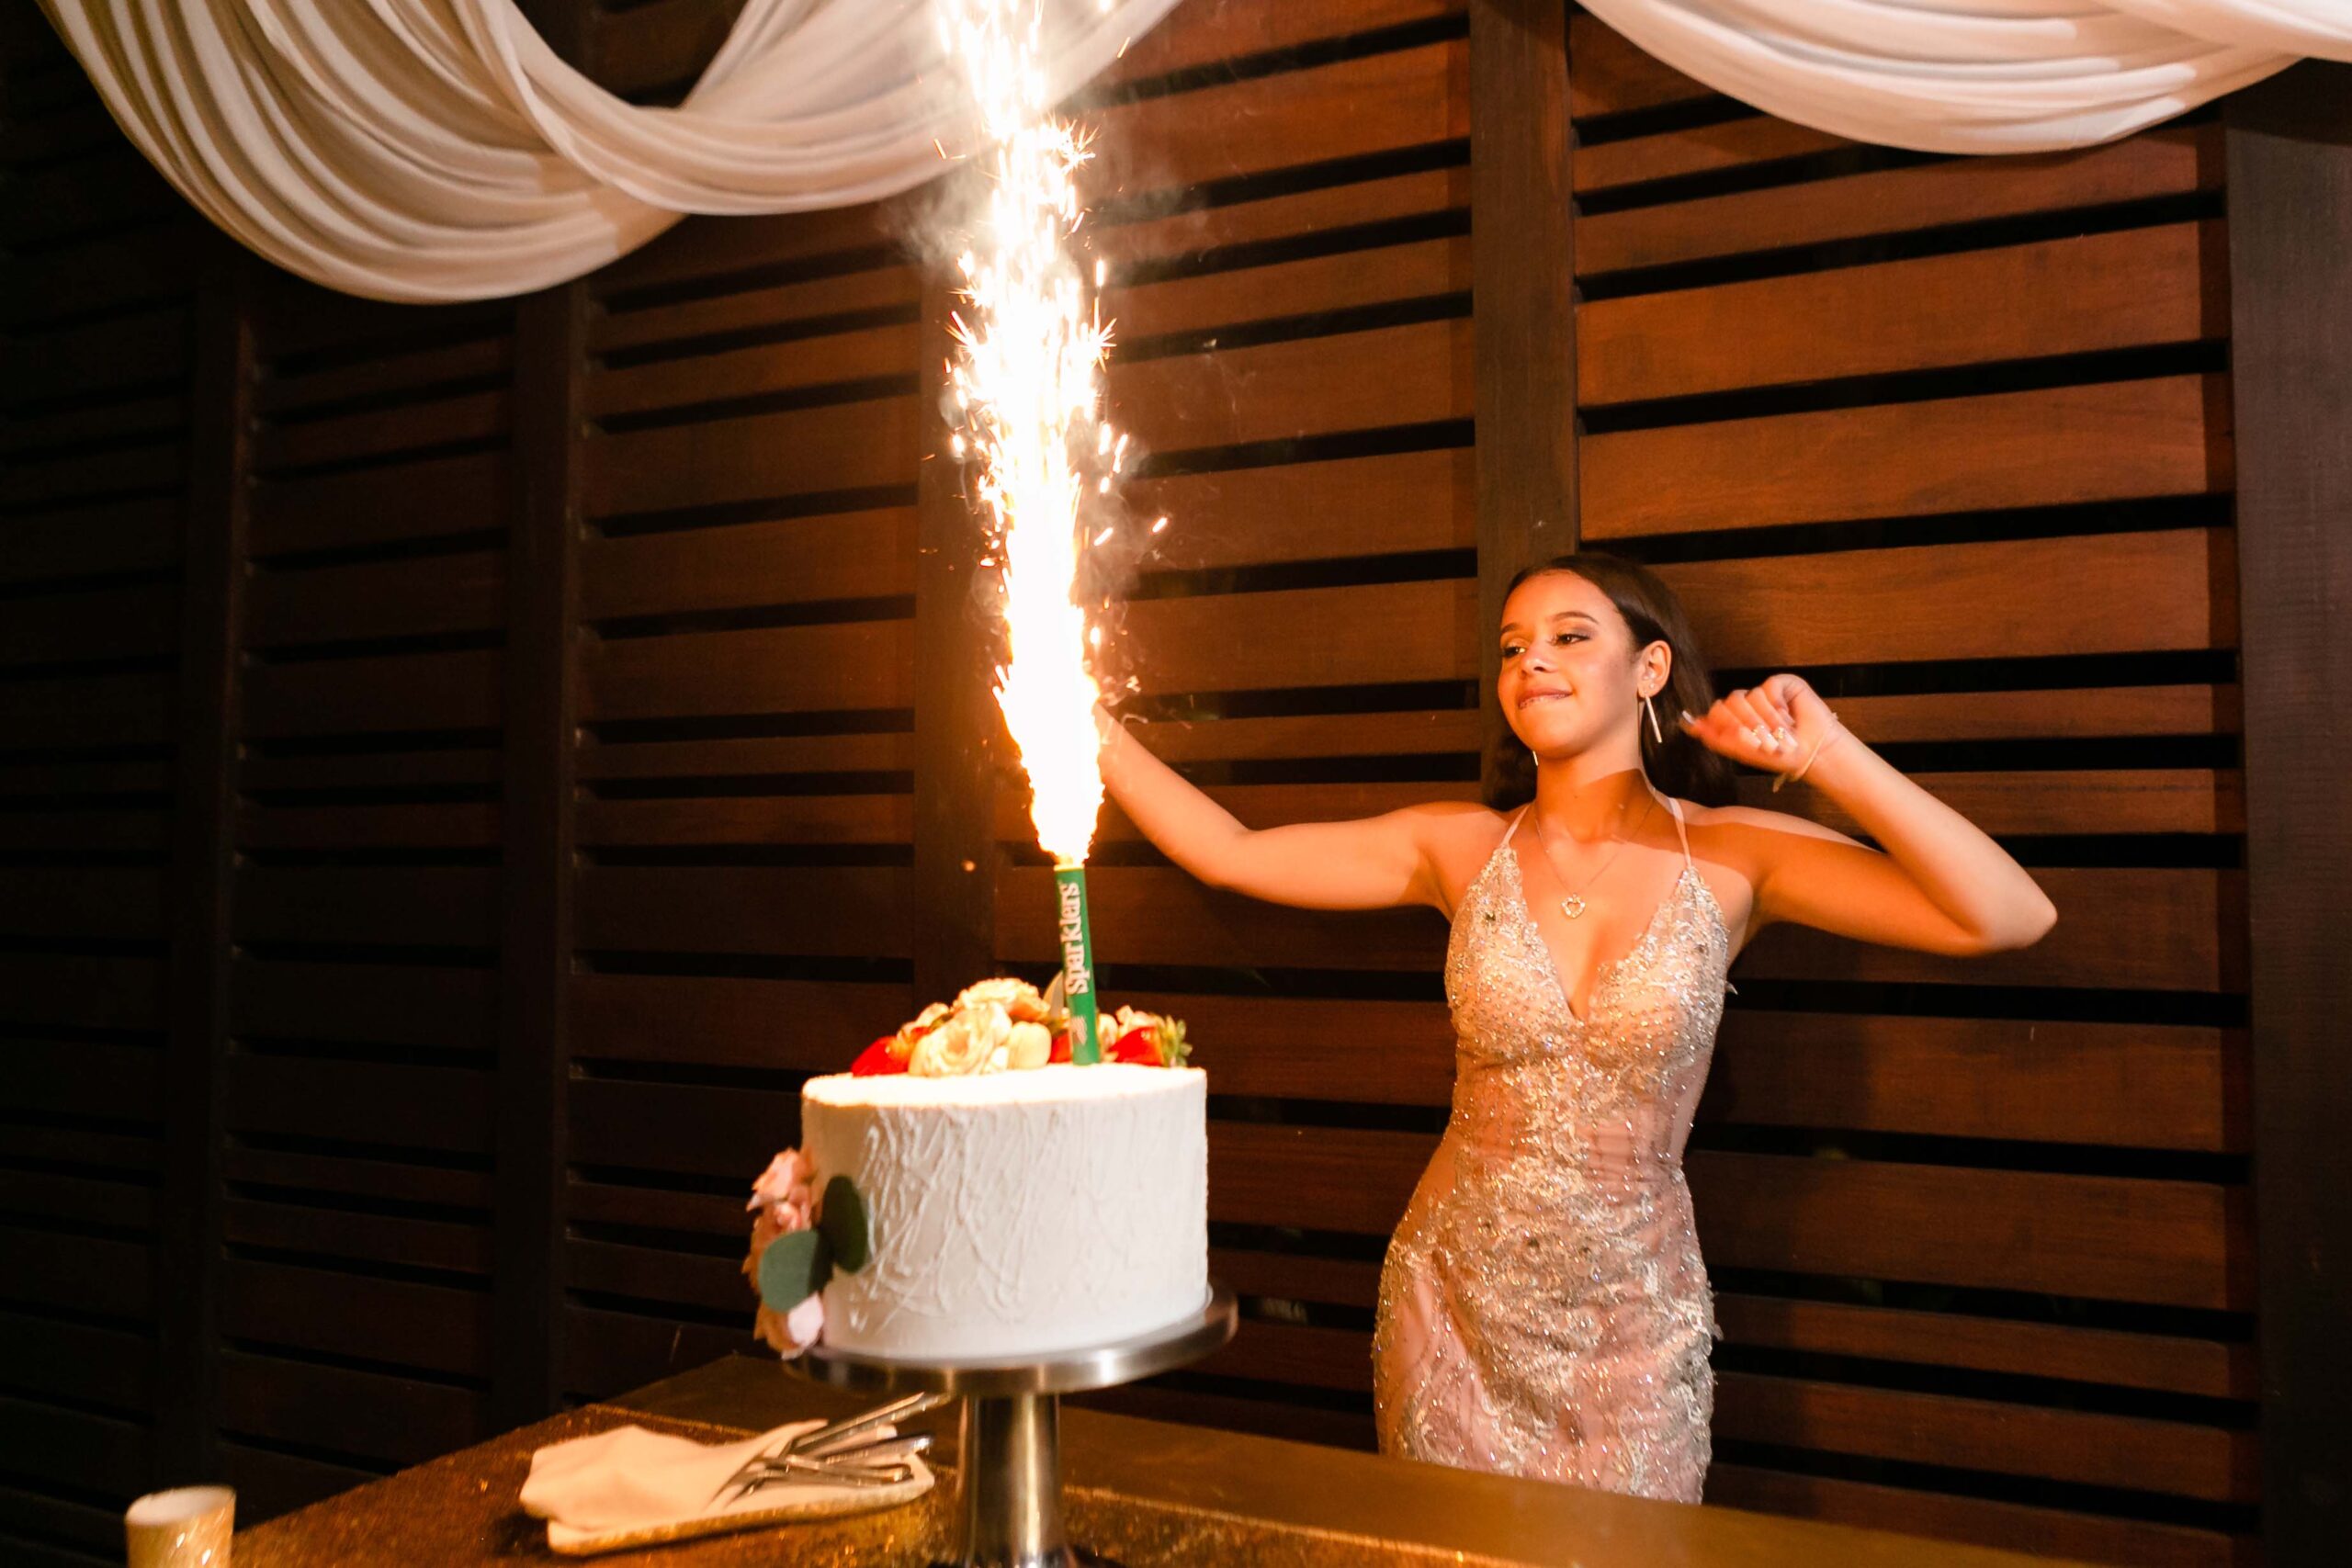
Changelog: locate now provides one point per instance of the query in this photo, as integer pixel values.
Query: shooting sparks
(1028, 377)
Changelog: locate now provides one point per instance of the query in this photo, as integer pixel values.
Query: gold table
(1144, 1493)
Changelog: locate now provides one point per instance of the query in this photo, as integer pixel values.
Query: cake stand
(1010, 1464)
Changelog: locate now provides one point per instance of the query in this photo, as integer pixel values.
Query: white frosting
(1014, 1214)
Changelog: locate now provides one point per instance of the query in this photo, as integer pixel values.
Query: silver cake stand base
(1010, 1464)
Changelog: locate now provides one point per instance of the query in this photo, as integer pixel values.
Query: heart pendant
(1573, 905)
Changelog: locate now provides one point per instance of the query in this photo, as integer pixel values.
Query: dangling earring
(1653, 713)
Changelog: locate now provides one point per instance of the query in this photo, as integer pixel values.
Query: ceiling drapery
(1980, 75)
(434, 149)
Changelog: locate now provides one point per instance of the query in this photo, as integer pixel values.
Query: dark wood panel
(2005, 1437)
(2079, 712)
(368, 1415)
(2162, 1242)
(89, 710)
(857, 753)
(1284, 215)
(1203, 32)
(751, 310)
(1670, 154)
(119, 902)
(1350, 280)
(1409, 98)
(844, 446)
(79, 1078)
(2115, 441)
(851, 555)
(1308, 637)
(2146, 1086)
(408, 1005)
(103, 623)
(106, 992)
(2170, 161)
(1400, 503)
(2061, 800)
(72, 1448)
(2162, 930)
(1370, 380)
(1369, 733)
(443, 1108)
(431, 1327)
(379, 376)
(80, 1361)
(120, 537)
(1145, 915)
(374, 695)
(462, 825)
(381, 433)
(607, 1352)
(2211, 1369)
(2171, 588)
(804, 365)
(428, 499)
(846, 911)
(286, 1227)
(690, 1128)
(751, 820)
(85, 1276)
(2012, 1527)
(447, 1187)
(1607, 74)
(349, 604)
(1259, 806)
(860, 664)
(804, 1025)
(2113, 290)
(420, 905)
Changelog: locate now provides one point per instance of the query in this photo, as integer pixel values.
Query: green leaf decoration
(1173, 1047)
(794, 1268)
(843, 1225)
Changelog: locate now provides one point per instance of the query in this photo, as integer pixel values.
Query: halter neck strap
(1672, 805)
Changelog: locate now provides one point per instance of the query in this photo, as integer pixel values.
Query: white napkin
(629, 1487)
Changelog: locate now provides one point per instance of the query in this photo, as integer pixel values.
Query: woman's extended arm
(1367, 863)
(1941, 884)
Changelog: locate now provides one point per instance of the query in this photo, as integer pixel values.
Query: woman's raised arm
(1367, 863)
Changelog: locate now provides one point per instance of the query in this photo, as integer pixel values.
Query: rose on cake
(1002, 1024)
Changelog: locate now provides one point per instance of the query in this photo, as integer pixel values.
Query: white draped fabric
(431, 150)
(1980, 75)
(428, 149)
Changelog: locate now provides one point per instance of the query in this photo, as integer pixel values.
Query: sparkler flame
(1028, 380)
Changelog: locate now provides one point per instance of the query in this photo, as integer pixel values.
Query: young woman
(1543, 1309)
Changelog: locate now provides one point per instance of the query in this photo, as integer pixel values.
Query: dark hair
(1681, 766)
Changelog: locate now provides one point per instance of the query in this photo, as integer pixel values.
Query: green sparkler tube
(1076, 932)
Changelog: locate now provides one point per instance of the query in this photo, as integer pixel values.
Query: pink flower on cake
(783, 1200)
(785, 1195)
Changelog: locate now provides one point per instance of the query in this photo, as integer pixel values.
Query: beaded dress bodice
(1544, 1308)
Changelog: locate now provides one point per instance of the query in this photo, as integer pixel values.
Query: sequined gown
(1543, 1309)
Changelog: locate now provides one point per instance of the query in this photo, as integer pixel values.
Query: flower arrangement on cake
(809, 1227)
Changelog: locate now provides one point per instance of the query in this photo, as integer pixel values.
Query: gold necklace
(1574, 904)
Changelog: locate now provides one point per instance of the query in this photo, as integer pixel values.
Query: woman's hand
(1774, 726)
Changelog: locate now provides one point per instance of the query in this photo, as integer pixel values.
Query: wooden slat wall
(1948, 436)
(362, 1021)
(746, 767)
(97, 345)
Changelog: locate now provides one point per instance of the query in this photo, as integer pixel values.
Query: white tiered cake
(1016, 1213)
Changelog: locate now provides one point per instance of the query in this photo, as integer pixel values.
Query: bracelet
(1819, 746)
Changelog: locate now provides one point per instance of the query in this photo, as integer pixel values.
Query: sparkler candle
(1027, 376)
